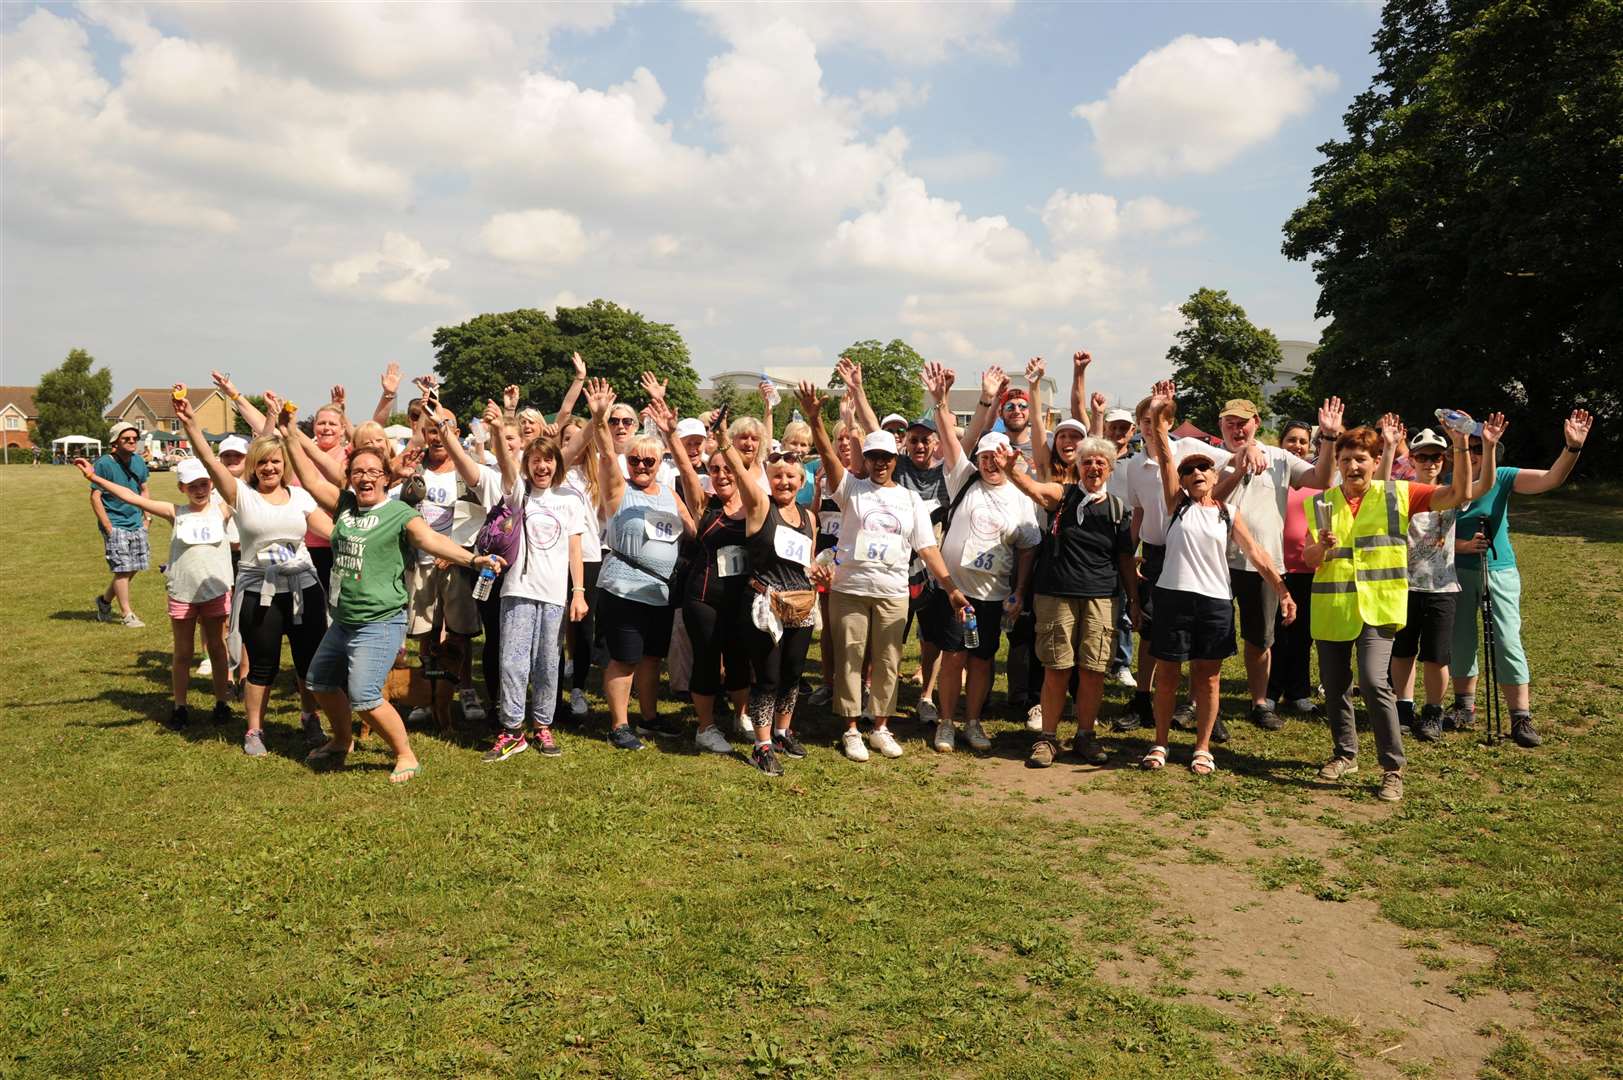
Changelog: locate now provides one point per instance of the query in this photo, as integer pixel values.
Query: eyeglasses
(623, 421)
(366, 474)
(641, 462)
(790, 456)
(1194, 466)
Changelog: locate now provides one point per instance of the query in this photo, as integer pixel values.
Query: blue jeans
(355, 659)
(530, 652)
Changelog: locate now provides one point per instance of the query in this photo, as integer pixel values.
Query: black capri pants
(264, 627)
(719, 641)
(777, 666)
(580, 633)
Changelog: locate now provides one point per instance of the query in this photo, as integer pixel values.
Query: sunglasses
(879, 457)
(1427, 457)
(641, 462)
(1475, 448)
(791, 456)
(1190, 467)
(1017, 405)
(717, 470)
(623, 421)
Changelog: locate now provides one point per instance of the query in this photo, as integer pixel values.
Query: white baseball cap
(190, 470)
(690, 427)
(1071, 425)
(893, 418)
(880, 442)
(992, 440)
(234, 444)
(1118, 414)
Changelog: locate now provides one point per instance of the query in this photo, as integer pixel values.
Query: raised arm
(1079, 384)
(1162, 396)
(496, 424)
(1538, 481)
(1035, 369)
(1391, 429)
(566, 409)
(811, 406)
(1324, 465)
(224, 482)
(1045, 494)
(466, 467)
(251, 416)
(324, 492)
(993, 383)
(340, 401)
(766, 411)
(611, 483)
(850, 373)
(1096, 420)
(330, 469)
(1493, 430)
(692, 489)
(134, 498)
(754, 499)
(390, 381)
(938, 380)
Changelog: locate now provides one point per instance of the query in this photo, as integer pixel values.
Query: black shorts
(941, 626)
(1155, 557)
(1189, 626)
(632, 630)
(1430, 628)
(1258, 604)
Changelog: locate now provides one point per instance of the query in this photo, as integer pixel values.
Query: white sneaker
(713, 740)
(1034, 718)
(928, 713)
(851, 743)
(1125, 677)
(746, 727)
(206, 668)
(132, 620)
(946, 737)
(975, 736)
(471, 708)
(420, 715)
(577, 703)
(883, 741)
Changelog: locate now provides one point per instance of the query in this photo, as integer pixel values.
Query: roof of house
(159, 401)
(20, 396)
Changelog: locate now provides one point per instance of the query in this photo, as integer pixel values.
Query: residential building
(17, 411)
(152, 409)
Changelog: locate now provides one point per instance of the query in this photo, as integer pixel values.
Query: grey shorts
(1258, 602)
(126, 550)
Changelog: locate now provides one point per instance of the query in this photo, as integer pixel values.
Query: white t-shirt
(989, 526)
(1260, 501)
(591, 538)
(273, 536)
(1144, 486)
(1197, 559)
(880, 529)
(541, 566)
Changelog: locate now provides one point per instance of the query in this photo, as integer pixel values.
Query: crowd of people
(704, 551)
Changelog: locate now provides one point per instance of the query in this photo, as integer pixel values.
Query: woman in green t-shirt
(371, 540)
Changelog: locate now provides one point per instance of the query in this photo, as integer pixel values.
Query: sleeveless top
(199, 566)
(646, 528)
(720, 563)
(773, 542)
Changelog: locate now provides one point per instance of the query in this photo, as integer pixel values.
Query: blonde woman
(582, 481)
(748, 435)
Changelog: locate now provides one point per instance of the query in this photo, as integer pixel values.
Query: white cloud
(905, 33)
(899, 95)
(930, 238)
(1079, 219)
(959, 168)
(397, 272)
(539, 237)
(1195, 104)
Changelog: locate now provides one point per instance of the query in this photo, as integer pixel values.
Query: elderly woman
(1359, 549)
(882, 527)
(644, 522)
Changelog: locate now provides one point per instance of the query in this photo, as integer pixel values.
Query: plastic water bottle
(972, 630)
(1460, 422)
(482, 587)
(772, 397)
(1008, 604)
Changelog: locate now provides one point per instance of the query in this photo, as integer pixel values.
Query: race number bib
(731, 561)
(277, 554)
(792, 547)
(828, 523)
(881, 549)
(199, 529)
(988, 556)
(662, 526)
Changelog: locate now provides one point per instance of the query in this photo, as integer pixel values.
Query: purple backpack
(499, 535)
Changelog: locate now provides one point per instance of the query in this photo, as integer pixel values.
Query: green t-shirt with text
(370, 554)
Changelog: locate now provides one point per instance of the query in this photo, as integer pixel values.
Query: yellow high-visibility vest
(1364, 580)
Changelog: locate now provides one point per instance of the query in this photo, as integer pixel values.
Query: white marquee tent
(67, 444)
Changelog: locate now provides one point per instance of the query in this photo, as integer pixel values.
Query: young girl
(199, 577)
(547, 568)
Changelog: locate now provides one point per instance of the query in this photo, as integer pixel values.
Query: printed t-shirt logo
(882, 520)
(985, 524)
(543, 528)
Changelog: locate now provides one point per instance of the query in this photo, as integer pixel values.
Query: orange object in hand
(290, 408)
(179, 392)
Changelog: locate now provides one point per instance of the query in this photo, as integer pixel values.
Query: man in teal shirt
(123, 526)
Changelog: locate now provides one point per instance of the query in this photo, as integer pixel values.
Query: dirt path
(1331, 971)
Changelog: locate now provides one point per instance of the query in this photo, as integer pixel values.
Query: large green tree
(1220, 355)
(1466, 234)
(531, 349)
(72, 399)
(890, 376)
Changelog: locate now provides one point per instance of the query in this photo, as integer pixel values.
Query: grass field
(170, 907)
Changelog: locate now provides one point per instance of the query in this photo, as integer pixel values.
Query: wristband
(986, 404)
(1575, 449)
(579, 589)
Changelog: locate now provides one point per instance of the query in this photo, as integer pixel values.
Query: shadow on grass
(74, 615)
(1564, 515)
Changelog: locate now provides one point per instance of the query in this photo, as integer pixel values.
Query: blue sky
(301, 194)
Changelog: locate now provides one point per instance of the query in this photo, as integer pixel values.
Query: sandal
(1155, 759)
(1201, 763)
(400, 776)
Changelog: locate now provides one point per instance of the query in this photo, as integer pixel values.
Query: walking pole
(1491, 719)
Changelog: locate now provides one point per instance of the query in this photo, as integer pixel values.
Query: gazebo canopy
(66, 441)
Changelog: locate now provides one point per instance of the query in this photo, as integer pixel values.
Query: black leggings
(490, 659)
(264, 627)
(719, 639)
(1289, 679)
(321, 559)
(580, 633)
(777, 667)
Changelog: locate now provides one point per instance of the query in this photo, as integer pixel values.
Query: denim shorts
(126, 550)
(355, 658)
